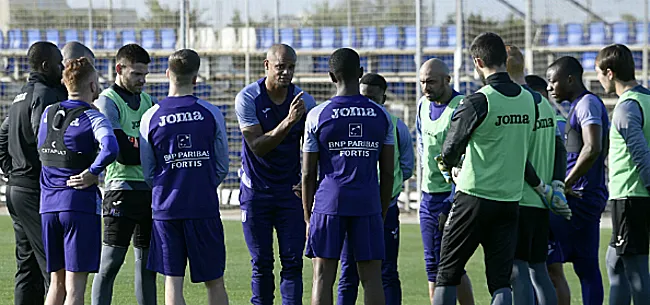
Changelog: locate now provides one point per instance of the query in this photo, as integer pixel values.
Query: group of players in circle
(326, 178)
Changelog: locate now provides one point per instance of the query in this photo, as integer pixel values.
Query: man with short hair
(127, 199)
(373, 86)
(578, 240)
(184, 157)
(23, 166)
(629, 177)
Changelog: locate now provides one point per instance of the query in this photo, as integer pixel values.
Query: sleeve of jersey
(390, 137)
(310, 102)
(406, 155)
(469, 114)
(310, 139)
(5, 158)
(129, 153)
(628, 121)
(588, 111)
(245, 110)
(108, 147)
(220, 143)
(146, 149)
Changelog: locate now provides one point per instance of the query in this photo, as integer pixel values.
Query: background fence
(392, 36)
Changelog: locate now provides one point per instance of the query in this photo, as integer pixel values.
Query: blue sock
(444, 295)
(522, 288)
(544, 289)
(502, 296)
(591, 281)
(619, 288)
(638, 277)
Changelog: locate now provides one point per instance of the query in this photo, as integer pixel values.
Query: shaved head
(75, 50)
(435, 66)
(434, 80)
(279, 64)
(280, 50)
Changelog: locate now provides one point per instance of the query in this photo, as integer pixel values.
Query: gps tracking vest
(130, 122)
(54, 152)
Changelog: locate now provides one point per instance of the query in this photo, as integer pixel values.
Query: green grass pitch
(237, 277)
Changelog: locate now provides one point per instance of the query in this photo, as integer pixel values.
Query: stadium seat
(392, 37)
(364, 63)
(94, 44)
(247, 38)
(639, 32)
(148, 37)
(589, 61)
(101, 64)
(264, 38)
(348, 37)
(409, 37)
(406, 63)
(398, 89)
(369, 37)
(128, 36)
(434, 37)
(110, 40)
(386, 63)
(2, 40)
(206, 39)
(167, 39)
(15, 39)
(52, 36)
(597, 34)
(451, 36)
(552, 35)
(328, 38)
(202, 91)
(574, 34)
(307, 38)
(287, 37)
(33, 35)
(321, 64)
(621, 33)
(638, 60)
(71, 35)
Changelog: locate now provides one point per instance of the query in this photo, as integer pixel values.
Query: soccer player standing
(373, 86)
(577, 240)
(184, 155)
(345, 137)
(271, 116)
(629, 177)
(69, 137)
(530, 280)
(434, 112)
(127, 200)
(493, 127)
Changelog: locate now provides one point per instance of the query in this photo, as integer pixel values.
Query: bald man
(271, 114)
(432, 122)
(75, 50)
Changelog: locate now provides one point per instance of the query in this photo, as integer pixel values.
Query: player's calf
(217, 292)
(370, 277)
(323, 280)
(56, 292)
(174, 290)
(75, 286)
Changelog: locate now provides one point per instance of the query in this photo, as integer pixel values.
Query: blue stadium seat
(621, 33)
(328, 38)
(434, 37)
(16, 39)
(597, 34)
(101, 64)
(409, 37)
(638, 60)
(2, 40)
(451, 36)
(307, 38)
(321, 64)
(639, 32)
(386, 63)
(167, 39)
(71, 35)
(286, 37)
(552, 35)
(110, 39)
(574, 34)
(202, 91)
(392, 37)
(148, 38)
(33, 35)
(369, 37)
(52, 36)
(128, 36)
(364, 63)
(94, 44)
(346, 41)
(589, 61)
(264, 38)
(406, 63)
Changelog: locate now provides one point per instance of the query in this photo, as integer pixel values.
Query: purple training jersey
(278, 170)
(90, 131)
(184, 153)
(348, 132)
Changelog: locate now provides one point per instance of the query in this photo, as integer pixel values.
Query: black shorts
(532, 235)
(473, 221)
(631, 226)
(127, 213)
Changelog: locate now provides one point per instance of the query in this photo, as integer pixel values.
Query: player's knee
(261, 265)
(215, 284)
(449, 278)
(586, 267)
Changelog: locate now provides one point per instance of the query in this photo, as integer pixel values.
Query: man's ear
(118, 69)
(45, 66)
(194, 79)
(167, 73)
(266, 64)
(360, 72)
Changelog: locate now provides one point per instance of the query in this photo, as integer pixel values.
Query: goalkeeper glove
(558, 202)
(443, 169)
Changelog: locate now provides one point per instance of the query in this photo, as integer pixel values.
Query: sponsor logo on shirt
(135, 124)
(265, 112)
(354, 148)
(353, 111)
(187, 159)
(184, 140)
(355, 130)
(180, 117)
(20, 97)
(75, 122)
(511, 119)
(544, 123)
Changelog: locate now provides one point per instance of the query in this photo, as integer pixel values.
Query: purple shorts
(328, 232)
(72, 241)
(201, 241)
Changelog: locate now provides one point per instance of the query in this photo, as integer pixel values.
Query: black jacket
(24, 118)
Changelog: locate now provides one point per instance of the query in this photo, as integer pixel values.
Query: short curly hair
(77, 73)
